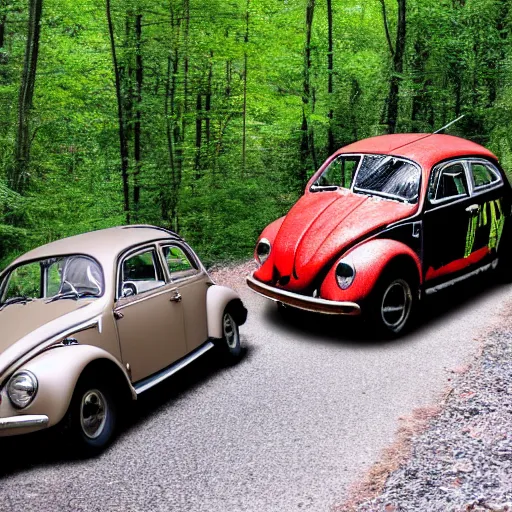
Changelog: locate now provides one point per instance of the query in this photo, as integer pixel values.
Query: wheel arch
(371, 260)
(218, 298)
(58, 371)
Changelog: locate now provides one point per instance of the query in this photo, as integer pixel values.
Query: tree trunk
(244, 109)
(18, 176)
(139, 76)
(186, 17)
(208, 100)
(123, 141)
(3, 20)
(199, 135)
(422, 109)
(306, 96)
(398, 65)
(330, 70)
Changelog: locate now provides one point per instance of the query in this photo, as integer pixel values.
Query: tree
(20, 171)
(397, 55)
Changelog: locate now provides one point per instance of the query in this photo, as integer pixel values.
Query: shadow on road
(437, 308)
(20, 453)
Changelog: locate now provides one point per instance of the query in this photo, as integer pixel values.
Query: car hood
(25, 326)
(321, 225)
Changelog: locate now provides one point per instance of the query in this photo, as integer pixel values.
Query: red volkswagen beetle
(384, 222)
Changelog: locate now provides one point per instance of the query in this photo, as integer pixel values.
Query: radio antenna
(449, 124)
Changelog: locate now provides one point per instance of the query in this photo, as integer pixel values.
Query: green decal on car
(496, 224)
(497, 221)
(470, 236)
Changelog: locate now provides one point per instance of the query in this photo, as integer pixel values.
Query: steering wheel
(128, 290)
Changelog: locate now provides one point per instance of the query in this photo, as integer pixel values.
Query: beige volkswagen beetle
(90, 321)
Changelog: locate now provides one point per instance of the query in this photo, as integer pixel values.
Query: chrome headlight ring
(263, 249)
(345, 274)
(22, 389)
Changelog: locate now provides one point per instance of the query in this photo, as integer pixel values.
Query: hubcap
(93, 413)
(396, 304)
(230, 331)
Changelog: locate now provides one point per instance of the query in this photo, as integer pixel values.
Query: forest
(207, 117)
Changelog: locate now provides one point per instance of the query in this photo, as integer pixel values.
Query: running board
(442, 286)
(155, 379)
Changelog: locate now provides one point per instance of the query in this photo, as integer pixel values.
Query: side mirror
(129, 289)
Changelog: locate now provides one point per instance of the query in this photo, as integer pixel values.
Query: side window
(483, 175)
(140, 273)
(178, 263)
(449, 182)
(339, 173)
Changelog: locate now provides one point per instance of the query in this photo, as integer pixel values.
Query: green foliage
(190, 112)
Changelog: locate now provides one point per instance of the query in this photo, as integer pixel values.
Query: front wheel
(391, 306)
(92, 416)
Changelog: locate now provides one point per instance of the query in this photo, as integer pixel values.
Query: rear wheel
(391, 306)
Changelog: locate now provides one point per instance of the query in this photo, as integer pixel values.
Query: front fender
(369, 259)
(217, 298)
(264, 273)
(57, 371)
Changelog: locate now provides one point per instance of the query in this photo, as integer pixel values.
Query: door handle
(473, 209)
(176, 297)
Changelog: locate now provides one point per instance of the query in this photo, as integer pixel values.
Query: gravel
(463, 460)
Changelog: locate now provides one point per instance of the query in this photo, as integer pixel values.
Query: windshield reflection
(381, 175)
(52, 278)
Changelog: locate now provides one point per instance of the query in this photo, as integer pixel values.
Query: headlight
(22, 388)
(345, 274)
(263, 250)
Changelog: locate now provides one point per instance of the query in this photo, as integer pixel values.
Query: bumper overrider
(25, 422)
(296, 300)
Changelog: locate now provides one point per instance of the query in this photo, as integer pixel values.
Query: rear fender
(217, 299)
(370, 259)
(57, 371)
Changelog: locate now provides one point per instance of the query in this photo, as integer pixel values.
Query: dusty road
(309, 407)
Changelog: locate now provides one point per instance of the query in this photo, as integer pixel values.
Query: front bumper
(22, 424)
(296, 300)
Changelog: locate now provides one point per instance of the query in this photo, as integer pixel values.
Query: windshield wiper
(315, 188)
(70, 295)
(15, 300)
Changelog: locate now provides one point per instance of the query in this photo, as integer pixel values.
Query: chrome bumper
(296, 300)
(31, 421)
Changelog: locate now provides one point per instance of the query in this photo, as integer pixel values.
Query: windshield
(66, 276)
(379, 175)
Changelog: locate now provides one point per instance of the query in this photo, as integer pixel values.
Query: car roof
(104, 245)
(424, 148)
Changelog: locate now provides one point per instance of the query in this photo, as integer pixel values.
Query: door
(448, 222)
(192, 284)
(490, 205)
(149, 315)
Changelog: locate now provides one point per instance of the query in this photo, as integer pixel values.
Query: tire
(92, 416)
(230, 343)
(392, 305)
(504, 269)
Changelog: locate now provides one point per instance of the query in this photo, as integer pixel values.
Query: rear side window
(178, 263)
(483, 175)
(449, 182)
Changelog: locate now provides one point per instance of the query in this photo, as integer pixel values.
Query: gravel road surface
(307, 410)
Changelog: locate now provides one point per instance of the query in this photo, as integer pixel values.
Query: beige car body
(138, 340)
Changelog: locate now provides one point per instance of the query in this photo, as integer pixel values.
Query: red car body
(438, 238)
